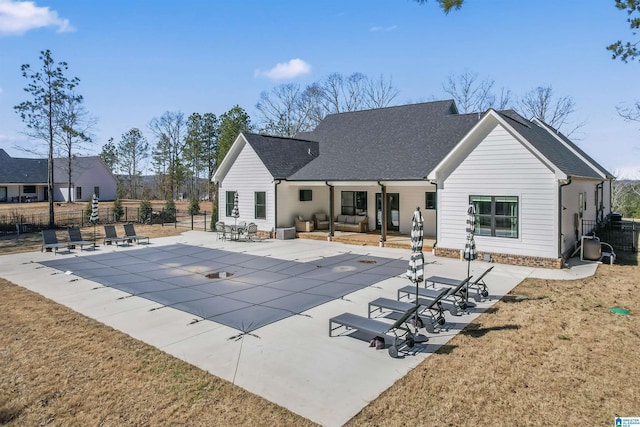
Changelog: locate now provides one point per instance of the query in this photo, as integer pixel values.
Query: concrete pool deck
(292, 362)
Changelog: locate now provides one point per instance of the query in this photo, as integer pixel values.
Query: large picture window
(260, 198)
(354, 202)
(229, 202)
(496, 216)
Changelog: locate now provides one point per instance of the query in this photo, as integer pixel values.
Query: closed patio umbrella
(470, 252)
(235, 213)
(95, 217)
(415, 271)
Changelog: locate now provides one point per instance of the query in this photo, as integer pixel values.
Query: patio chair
(131, 235)
(399, 331)
(320, 221)
(220, 230)
(75, 238)
(251, 231)
(431, 312)
(592, 249)
(111, 236)
(50, 241)
(303, 225)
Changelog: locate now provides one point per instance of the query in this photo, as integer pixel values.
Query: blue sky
(138, 59)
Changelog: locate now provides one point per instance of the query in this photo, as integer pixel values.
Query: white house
(26, 179)
(530, 185)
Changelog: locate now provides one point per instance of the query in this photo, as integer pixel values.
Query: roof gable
(16, 170)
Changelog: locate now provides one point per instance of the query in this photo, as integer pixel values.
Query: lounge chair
(431, 312)
(320, 221)
(110, 236)
(478, 285)
(400, 329)
(131, 235)
(303, 225)
(75, 238)
(50, 241)
(455, 299)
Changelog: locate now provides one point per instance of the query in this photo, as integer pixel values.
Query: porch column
(331, 211)
(383, 228)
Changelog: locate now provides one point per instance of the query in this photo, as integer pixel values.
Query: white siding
(246, 176)
(501, 166)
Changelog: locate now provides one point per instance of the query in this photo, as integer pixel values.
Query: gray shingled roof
(394, 143)
(15, 170)
(282, 156)
(551, 148)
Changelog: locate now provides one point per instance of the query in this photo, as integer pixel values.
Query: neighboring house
(530, 185)
(26, 180)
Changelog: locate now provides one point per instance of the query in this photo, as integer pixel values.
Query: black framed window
(229, 197)
(78, 193)
(354, 203)
(496, 216)
(306, 195)
(29, 189)
(96, 191)
(260, 202)
(430, 200)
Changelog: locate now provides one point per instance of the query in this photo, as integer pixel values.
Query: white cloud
(286, 70)
(18, 17)
(627, 172)
(386, 29)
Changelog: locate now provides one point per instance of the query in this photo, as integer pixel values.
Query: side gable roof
(79, 165)
(15, 170)
(281, 156)
(558, 153)
(394, 143)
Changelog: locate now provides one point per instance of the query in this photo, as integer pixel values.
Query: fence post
(191, 221)
(205, 220)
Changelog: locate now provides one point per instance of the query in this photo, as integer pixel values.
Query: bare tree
(541, 104)
(287, 110)
(132, 148)
(170, 129)
(474, 95)
(630, 113)
(75, 133)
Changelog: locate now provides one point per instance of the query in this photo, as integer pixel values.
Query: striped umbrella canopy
(416, 263)
(235, 212)
(470, 252)
(94, 210)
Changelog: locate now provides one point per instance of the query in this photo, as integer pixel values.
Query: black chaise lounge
(454, 300)
(431, 311)
(111, 236)
(130, 233)
(75, 238)
(399, 331)
(478, 286)
(50, 241)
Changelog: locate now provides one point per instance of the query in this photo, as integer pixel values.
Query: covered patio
(371, 238)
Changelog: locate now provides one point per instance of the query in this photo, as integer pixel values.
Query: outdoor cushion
(321, 217)
(342, 218)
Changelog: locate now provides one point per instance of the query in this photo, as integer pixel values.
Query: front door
(393, 211)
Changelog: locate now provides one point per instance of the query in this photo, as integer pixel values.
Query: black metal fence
(621, 234)
(18, 222)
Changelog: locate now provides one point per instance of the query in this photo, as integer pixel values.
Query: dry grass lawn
(549, 353)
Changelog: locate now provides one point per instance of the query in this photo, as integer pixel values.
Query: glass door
(393, 211)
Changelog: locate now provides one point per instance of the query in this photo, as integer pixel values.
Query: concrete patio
(292, 362)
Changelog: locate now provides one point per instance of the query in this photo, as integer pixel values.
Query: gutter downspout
(383, 225)
(275, 204)
(600, 202)
(437, 202)
(331, 211)
(560, 254)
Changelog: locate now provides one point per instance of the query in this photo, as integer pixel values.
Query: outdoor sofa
(353, 223)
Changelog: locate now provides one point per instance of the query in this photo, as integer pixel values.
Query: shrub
(145, 210)
(118, 210)
(87, 211)
(194, 206)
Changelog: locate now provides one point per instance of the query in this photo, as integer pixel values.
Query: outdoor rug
(242, 291)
